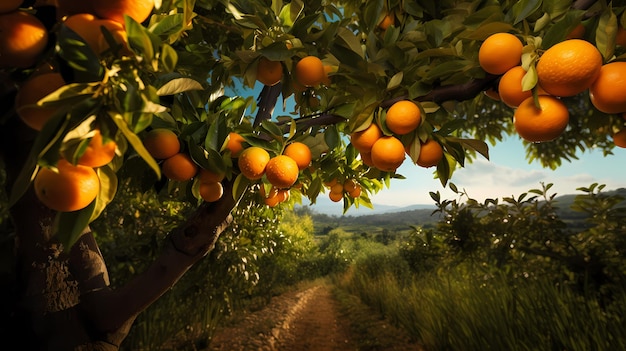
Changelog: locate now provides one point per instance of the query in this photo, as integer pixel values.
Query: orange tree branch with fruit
(95, 85)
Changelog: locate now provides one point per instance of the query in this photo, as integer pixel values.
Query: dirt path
(306, 320)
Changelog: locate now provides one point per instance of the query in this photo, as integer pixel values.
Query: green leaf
(139, 38)
(558, 31)
(108, 189)
(484, 31)
(606, 32)
(395, 81)
(169, 58)
(178, 85)
(68, 226)
(79, 56)
(135, 142)
(530, 79)
(524, 8)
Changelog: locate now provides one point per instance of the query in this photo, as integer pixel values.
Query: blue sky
(507, 173)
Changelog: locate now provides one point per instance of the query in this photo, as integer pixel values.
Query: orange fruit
(208, 176)
(620, 37)
(269, 72)
(68, 189)
(541, 124)
(366, 158)
(139, 10)
(356, 192)
(510, 87)
(364, 140)
(234, 144)
(23, 38)
(619, 138)
(282, 171)
(327, 71)
(98, 153)
(499, 53)
(608, 91)
(9, 5)
(253, 161)
(492, 94)
(577, 33)
(431, 153)
(349, 185)
(403, 117)
(387, 21)
(211, 191)
(179, 167)
(310, 71)
(331, 182)
(569, 67)
(336, 188)
(161, 143)
(87, 26)
(388, 153)
(275, 196)
(33, 90)
(335, 197)
(300, 153)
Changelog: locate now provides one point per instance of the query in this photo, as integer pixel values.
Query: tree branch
(266, 102)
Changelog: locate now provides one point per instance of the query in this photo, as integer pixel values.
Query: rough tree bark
(63, 299)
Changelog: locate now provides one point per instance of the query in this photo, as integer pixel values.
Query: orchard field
(141, 204)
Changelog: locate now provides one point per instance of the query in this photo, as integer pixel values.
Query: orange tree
(133, 67)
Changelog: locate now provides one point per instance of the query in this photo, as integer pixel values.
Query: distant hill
(327, 216)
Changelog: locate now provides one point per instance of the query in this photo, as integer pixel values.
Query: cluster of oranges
(565, 69)
(349, 187)
(281, 171)
(387, 152)
(309, 71)
(73, 186)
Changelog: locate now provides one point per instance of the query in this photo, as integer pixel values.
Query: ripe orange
(364, 140)
(208, 176)
(139, 10)
(335, 197)
(269, 72)
(336, 188)
(431, 153)
(310, 71)
(541, 124)
(179, 167)
(492, 94)
(211, 191)
(282, 171)
(619, 138)
(300, 153)
(366, 158)
(33, 90)
(98, 153)
(253, 161)
(569, 67)
(275, 196)
(388, 153)
(499, 53)
(608, 91)
(577, 33)
(403, 117)
(71, 188)
(349, 185)
(387, 21)
(620, 38)
(161, 143)
(331, 182)
(356, 192)
(23, 38)
(327, 78)
(87, 26)
(234, 144)
(510, 87)
(9, 5)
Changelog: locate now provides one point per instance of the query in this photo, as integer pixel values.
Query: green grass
(453, 311)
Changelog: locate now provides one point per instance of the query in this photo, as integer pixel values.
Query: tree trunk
(62, 299)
